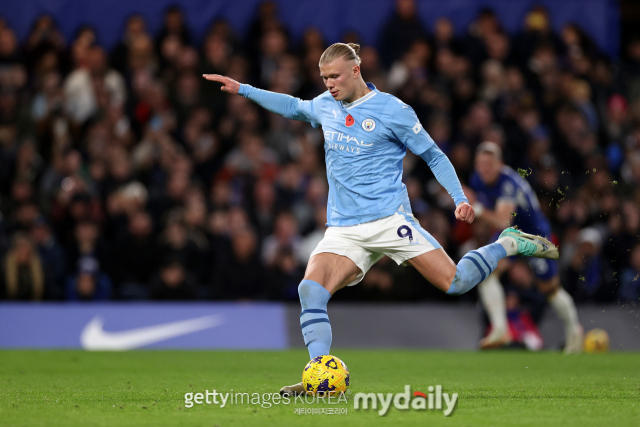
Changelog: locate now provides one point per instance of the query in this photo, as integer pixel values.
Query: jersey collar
(374, 91)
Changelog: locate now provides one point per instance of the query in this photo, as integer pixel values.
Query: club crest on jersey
(349, 121)
(368, 125)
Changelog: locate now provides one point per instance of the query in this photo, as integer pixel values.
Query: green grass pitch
(146, 388)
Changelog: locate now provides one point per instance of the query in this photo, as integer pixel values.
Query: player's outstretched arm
(279, 103)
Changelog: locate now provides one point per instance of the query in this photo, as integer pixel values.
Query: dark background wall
(600, 18)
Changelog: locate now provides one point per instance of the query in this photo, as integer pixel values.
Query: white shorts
(398, 236)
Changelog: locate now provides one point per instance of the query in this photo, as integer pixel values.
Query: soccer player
(366, 136)
(504, 197)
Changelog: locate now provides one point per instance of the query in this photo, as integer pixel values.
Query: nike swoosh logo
(94, 337)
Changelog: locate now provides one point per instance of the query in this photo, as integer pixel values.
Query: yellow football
(596, 341)
(325, 375)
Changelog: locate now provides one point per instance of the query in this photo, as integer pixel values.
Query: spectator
(174, 25)
(485, 24)
(444, 36)
(52, 258)
(175, 244)
(87, 243)
(135, 26)
(23, 274)
(44, 37)
(285, 274)
(585, 273)
(623, 229)
(84, 86)
(89, 284)
(266, 20)
(537, 31)
(285, 236)
(239, 273)
(630, 279)
(400, 31)
(136, 257)
(173, 282)
(9, 48)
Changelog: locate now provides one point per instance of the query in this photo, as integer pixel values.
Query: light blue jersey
(365, 142)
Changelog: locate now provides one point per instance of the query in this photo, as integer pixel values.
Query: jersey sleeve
(406, 127)
(285, 105)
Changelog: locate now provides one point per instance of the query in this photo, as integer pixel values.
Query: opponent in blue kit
(367, 133)
(505, 197)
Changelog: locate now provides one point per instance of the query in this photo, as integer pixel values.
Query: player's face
(488, 167)
(339, 77)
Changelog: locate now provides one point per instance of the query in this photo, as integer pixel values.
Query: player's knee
(305, 289)
(449, 280)
(310, 290)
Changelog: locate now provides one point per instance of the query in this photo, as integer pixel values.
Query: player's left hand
(465, 212)
(228, 84)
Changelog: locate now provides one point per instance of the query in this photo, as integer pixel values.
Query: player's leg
(563, 305)
(325, 274)
(561, 302)
(476, 265)
(473, 268)
(440, 270)
(339, 260)
(492, 298)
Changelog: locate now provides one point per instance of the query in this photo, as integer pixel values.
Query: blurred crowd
(125, 175)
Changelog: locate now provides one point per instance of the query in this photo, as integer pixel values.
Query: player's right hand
(228, 85)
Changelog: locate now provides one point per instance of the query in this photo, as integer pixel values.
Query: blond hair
(12, 273)
(348, 51)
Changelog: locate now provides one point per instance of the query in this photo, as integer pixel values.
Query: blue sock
(314, 320)
(476, 266)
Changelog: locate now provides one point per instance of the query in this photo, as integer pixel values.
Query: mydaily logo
(419, 401)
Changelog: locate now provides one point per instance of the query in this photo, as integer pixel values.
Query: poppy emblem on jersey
(349, 121)
(368, 125)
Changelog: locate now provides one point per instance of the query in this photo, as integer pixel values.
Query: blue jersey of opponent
(365, 142)
(510, 187)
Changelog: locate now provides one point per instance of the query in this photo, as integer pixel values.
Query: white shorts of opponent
(398, 236)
